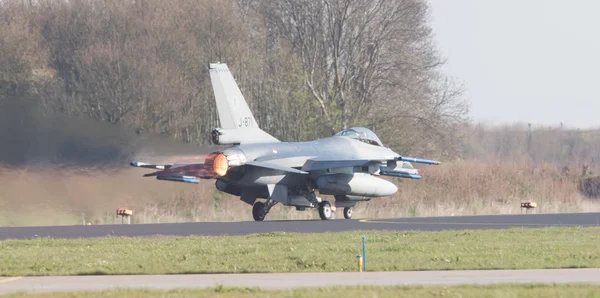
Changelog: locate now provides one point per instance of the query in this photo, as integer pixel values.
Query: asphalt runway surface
(297, 280)
(307, 226)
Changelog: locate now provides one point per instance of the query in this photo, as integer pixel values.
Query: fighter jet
(263, 171)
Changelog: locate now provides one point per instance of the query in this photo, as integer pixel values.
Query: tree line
(574, 151)
(308, 68)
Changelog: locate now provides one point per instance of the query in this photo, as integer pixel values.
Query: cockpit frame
(362, 134)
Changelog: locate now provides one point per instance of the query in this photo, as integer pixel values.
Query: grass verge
(568, 290)
(327, 252)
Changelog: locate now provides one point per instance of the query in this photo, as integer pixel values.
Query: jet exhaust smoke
(29, 136)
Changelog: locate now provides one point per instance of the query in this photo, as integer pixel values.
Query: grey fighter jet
(264, 171)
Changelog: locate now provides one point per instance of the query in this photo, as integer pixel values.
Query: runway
(298, 280)
(307, 226)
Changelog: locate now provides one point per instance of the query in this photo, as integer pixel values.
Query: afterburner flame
(220, 165)
(216, 164)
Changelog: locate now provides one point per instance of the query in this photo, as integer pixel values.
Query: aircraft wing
(191, 171)
(274, 166)
(321, 163)
(404, 170)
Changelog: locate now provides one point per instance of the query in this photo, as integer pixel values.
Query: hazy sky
(532, 61)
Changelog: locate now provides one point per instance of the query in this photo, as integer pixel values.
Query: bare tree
(373, 63)
(307, 68)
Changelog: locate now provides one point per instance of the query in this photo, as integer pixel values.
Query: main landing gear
(325, 211)
(260, 209)
(348, 212)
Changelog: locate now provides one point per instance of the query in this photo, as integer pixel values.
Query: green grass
(277, 252)
(350, 292)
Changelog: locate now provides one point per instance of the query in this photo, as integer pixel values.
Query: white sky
(532, 61)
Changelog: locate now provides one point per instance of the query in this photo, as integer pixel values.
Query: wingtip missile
(136, 164)
(401, 175)
(177, 178)
(139, 164)
(419, 160)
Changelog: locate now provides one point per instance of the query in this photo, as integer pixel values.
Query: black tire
(348, 212)
(325, 211)
(258, 211)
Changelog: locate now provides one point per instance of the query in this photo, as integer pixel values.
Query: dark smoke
(29, 136)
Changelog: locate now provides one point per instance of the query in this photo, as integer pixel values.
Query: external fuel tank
(357, 184)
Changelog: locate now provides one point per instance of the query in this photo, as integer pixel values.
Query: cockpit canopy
(361, 134)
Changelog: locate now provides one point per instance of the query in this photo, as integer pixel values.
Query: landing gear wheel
(258, 211)
(325, 210)
(348, 212)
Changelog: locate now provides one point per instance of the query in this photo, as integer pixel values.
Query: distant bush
(590, 186)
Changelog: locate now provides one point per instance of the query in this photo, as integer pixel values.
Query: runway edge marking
(476, 223)
(3, 281)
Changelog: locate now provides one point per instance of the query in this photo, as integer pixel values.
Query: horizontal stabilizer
(273, 166)
(400, 174)
(329, 163)
(186, 179)
(419, 160)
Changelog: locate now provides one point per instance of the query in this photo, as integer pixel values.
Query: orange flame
(218, 162)
(221, 165)
(215, 165)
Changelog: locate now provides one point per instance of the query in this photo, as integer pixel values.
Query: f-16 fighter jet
(264, 171)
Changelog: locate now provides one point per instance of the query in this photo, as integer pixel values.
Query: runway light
(124, 213)
(528, 205)
(360, 262)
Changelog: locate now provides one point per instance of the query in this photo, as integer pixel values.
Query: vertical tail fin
(232, 108)
(231, 105)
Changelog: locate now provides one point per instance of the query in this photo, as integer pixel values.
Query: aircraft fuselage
(350, 180)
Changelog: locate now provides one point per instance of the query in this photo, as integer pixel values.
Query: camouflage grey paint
(296, 164)
(237, 121)
(346, 165)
